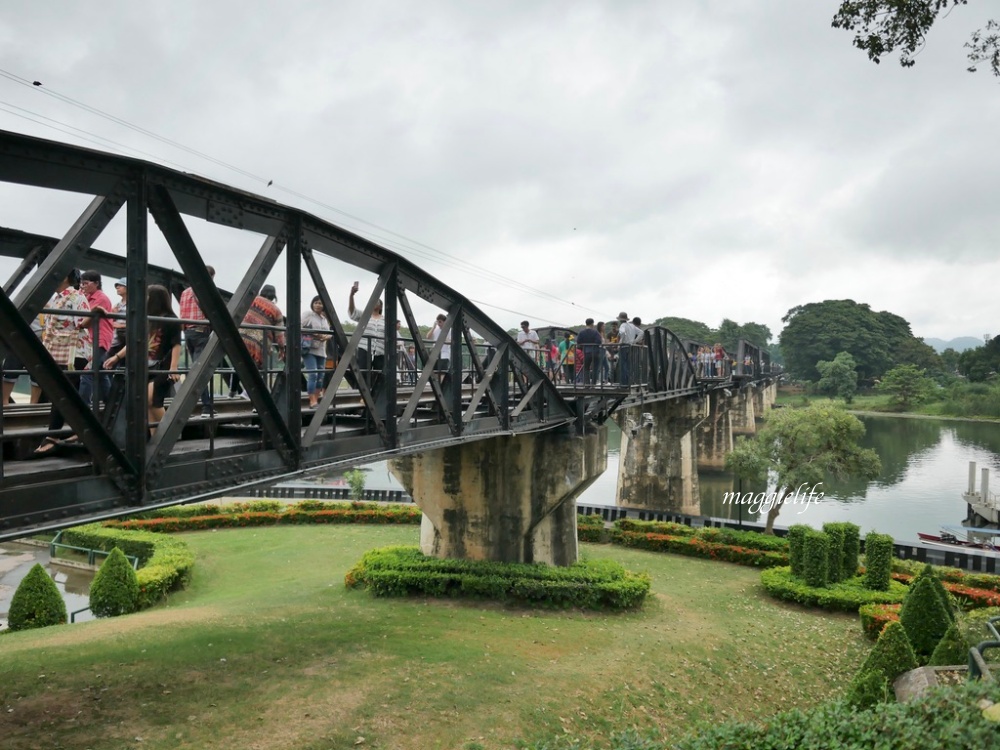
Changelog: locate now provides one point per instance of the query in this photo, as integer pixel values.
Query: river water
(924, 473)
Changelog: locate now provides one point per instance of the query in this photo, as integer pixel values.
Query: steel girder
(126, 470)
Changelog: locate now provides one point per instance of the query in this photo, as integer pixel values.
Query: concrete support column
(760, 404)
(509, 498)
(658, 465)
(715, 434)
(743, 414)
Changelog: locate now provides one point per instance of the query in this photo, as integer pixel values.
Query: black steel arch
(489, 387)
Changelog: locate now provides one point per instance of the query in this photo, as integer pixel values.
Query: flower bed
(692, 546)
(874, 617)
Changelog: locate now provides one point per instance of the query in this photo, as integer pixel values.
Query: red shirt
(105, 330)
(190, 309)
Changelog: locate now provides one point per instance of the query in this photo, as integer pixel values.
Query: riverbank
(876, 406)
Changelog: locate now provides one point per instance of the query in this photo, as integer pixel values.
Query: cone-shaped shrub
(868, 688)
(815, 558)
(951, 649)
(852, 549)
(943, 595)
(835, 565)
(892, 653)
(37, 602)
(115, 590)
(796, 537)
(924, 618)
(878, 561)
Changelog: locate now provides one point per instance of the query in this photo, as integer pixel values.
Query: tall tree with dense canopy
(821, 330)
(883, 26)
(692, 330)
(803, 447)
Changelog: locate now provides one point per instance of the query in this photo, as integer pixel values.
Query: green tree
(803, 447)
(692, 330)
(839, 376)
(37, 602)
(356, 481)
(981, 363)
(883, 26)
(906, 385)
(949, 360)
(818, 331)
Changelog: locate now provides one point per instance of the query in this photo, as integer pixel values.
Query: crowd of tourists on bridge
(84, 332)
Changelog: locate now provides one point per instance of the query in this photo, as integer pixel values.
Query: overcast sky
(725, 158)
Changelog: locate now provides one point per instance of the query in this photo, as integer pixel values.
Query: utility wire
(411, 245)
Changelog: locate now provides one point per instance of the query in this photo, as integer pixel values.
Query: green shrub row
(835, 563)
(401, 514)
(749, 539)
(588, 584)
(654, 527)
(165, 562)
(692, 546)
(847, 596)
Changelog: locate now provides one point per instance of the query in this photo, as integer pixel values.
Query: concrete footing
(508, 498)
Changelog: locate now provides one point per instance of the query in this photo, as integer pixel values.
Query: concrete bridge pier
(744, 415)
(658, 465)
(715, 434)
(509, 498)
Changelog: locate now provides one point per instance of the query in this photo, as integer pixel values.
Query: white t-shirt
(446, 349)
(527, 340)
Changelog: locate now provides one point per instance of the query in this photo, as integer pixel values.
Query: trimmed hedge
(115, 589)
(892, 654)
(37, 602)
(982, 581)
(815, 558)
(846, 596)
(796, 540)
(951, 649)
(852, 549)
(386, 515)
(924, 617)
(655, 527)
(878, 561)
(868, 689)
(692, 546)
(835, 561)
(591, 529)
(588, 584)
(165, 562)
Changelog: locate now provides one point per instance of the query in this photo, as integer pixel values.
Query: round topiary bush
(115, 590)
(37, 602)
(878, 561)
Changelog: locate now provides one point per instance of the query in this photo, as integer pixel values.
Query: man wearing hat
(195, 334)
(628, 335)
(121, 289)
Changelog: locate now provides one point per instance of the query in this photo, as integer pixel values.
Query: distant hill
(959, 345)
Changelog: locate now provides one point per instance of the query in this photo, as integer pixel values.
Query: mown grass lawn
(267, 650)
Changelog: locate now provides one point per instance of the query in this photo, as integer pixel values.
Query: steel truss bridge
(493, 388)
